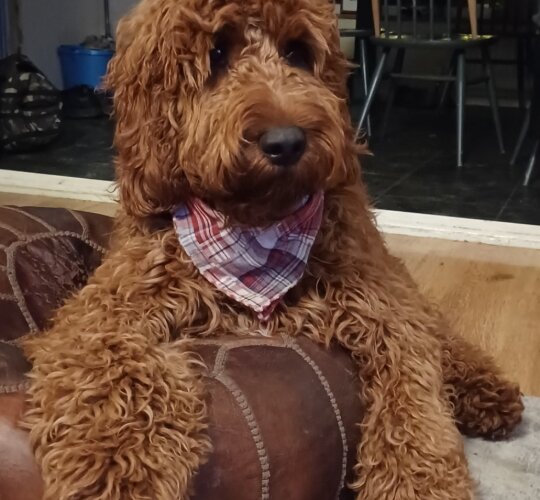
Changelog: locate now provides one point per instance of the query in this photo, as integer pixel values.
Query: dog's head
(238, 102)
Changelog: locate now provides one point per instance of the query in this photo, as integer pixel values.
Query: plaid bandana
(254, 266)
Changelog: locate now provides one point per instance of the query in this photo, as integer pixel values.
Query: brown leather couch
(282, 413)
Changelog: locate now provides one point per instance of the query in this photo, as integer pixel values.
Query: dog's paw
(491, 408)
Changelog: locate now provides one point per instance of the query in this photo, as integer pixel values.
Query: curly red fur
(113, 415)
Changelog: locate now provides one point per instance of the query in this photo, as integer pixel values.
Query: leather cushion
(283, 414)
(283, 417)
(45, 254)
(282, 420)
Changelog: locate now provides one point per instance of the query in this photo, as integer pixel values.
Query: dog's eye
(298, 55)
(219, 56)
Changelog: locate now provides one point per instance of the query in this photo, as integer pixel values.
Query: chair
(361, 33)
(508, 20)
(361, 37)
(430, 27)
(531, 124)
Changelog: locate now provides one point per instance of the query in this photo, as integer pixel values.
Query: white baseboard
(56, 186)
(459, 229)
(390, 222)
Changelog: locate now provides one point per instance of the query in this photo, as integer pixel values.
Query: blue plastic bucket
(82, 66)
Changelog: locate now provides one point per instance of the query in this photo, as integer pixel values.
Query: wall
(48, 24)
(347, 44)
(3, 29)
(9, 33)
(119, 8)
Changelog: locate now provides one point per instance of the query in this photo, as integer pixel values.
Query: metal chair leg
(520, 70)
(365, 81)
(532, 162)
(522, 136)
(377, 76)
(398, 68)
(350, 85)
(446, 86)
(460, 99)
(493, 98)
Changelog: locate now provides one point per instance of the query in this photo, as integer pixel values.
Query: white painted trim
(56, 186)
(391, 222)
(459, 229)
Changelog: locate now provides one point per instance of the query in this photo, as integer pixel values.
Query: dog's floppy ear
(149, 75)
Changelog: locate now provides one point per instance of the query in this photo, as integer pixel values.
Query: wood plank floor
(490, 293)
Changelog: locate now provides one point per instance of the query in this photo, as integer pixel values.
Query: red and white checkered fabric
(254, 266)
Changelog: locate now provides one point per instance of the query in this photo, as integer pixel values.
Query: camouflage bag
(30, 106)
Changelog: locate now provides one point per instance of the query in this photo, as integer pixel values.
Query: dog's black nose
(283, 145)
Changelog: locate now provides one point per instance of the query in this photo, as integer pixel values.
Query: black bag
(30, 106)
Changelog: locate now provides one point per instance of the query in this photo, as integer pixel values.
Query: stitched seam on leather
(21, 301)
(71, 234)
(10, 271)
(35, 218)
(19, 387)
(81, 220)
(247, 342)
(291, 344)
(254, 428)
(219, 362)
(19, 340)
(11, 229)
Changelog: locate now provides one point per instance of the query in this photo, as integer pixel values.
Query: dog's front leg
(410, 447)
(112, 415)
(485, 403)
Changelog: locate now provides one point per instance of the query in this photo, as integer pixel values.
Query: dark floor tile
(421, 146)
(437, 206)
(469, 185)
(83, 149)
(416, 133)
(524, 205)
(396, 161)
(379, 184)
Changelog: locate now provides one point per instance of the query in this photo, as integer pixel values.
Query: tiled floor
(84, 149)
(413, 169)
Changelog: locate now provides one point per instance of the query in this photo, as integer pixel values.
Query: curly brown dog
(197, 84)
